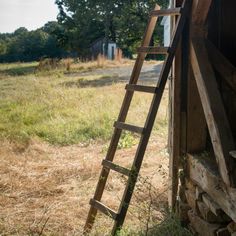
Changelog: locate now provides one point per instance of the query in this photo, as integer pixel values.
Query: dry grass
(64, 108)
(45, 189)
(75, 65)
(102, 62)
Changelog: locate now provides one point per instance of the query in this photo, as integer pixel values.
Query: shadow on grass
(149, 76)
(103, 81)
(19, 70)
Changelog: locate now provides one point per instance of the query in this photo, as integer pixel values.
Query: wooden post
(196, 124)
(180, 69)
(175, 134)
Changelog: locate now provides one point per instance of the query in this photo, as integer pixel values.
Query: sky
(31, 14)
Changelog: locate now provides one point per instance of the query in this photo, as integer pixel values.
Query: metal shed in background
(98, 47)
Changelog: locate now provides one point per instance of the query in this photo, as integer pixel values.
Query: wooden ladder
(145, 132)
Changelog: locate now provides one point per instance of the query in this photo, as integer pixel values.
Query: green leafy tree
(24, 45)
(132, 22)
(3, 47)
(120, 20)
(81, 24)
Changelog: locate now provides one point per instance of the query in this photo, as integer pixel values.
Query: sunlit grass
(60, 109)
(68, 107)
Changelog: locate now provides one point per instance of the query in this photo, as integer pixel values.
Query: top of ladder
(166, 12)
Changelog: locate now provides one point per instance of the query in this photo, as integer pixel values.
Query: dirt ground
(46, 189)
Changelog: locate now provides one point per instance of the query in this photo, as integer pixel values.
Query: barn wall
(222, 25)
(206, 204)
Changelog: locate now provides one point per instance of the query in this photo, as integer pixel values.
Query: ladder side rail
(122, 117)
(145, 43)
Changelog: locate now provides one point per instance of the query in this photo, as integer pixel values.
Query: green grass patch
(170, 226)
(52, 107)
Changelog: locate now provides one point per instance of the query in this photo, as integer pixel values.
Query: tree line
(24, 45)
(79, 24)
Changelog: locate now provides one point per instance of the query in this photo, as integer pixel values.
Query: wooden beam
(203, 173)
(222, 65)
(128, 127)
(141, 88)
(200, 11)
(110, 165)
(223, 232)
(166, 12)
(196, 138)
(232, 227)
(175, 117)
(185, 65)
(202, 226)
(191, 199)
(218, 125)
(214, 207)
(106, 210)
(209, 216)
(153, 50)
(175, 134)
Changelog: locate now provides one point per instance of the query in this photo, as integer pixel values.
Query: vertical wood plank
(175, 133)
(222, 65)
(218, 125)
(184, 85)
(200, 11)
(196, 123)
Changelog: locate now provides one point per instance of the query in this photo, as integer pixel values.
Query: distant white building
(166, 22)
(98, 47)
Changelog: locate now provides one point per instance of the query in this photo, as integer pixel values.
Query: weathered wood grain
(201, 226)
(222, 65)
(218, 125)
(208, 178)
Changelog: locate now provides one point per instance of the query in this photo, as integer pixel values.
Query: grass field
(54, 129)
(60, 108)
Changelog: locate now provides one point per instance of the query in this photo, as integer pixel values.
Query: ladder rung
(153, 50)
(104, 209)
(166, 12)
(141, 88)
(115, 167)
(131, 128)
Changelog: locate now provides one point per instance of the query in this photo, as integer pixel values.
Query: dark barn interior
(203, 127)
